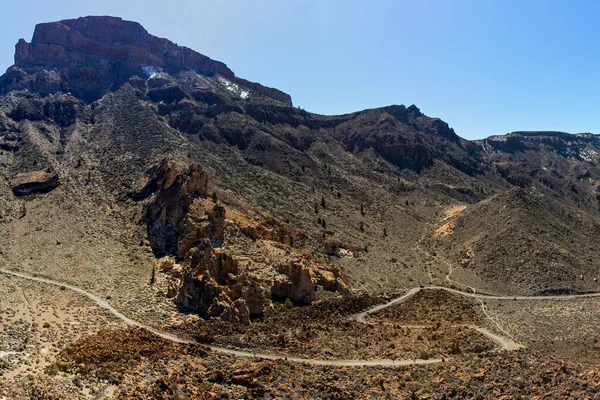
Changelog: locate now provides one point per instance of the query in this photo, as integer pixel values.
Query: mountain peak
(93, 55)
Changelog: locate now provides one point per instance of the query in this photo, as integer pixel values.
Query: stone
(170, 192)
(172, 289)
(166, 263)
(332, 248)
(296, 282)
(34, 182)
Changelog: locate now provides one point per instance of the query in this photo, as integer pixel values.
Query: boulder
(332, 248)
(166, 263)
(297, 282)
(34, 182)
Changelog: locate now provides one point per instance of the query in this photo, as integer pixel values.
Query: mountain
(93, 105)
(199, 202)
(90, 56)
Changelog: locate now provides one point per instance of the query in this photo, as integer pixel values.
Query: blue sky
(486, 67)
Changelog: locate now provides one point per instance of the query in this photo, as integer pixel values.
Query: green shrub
(204, 387)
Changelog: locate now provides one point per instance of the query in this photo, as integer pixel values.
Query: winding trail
(506, 343)
(238, 353)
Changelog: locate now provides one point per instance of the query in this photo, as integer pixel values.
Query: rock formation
(182, 221)
(34, 182)
(91, 56)
(173, 189)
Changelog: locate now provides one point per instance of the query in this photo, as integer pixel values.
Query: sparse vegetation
(524, 220)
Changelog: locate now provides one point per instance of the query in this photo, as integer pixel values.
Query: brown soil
(432, 307)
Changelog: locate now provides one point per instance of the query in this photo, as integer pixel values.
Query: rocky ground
(561, 329)
(430, 307)
(209, 206)
(325, 330)
(38, 322)
(127, 363)
(62, 357)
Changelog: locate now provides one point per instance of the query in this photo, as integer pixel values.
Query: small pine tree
(362, 226)
(214, 197)
(323, 223)
(153, 277)
(323, 202)
(406, 203)
(384, 232)
(288, 303)
(316, 208)
(362, 210)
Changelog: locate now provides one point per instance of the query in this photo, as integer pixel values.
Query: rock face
(211, 281)
(59, 108)
(93, 55)
(212, 286)
(34, 182)
(406, 138)
(172, 189)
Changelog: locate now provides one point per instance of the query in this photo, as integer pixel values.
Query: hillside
(203, 204)
(525, 242)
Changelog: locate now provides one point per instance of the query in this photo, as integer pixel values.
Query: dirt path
(104, 304)
(498, 297)
(504, 342)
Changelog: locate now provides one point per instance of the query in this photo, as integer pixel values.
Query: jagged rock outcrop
(209, 283)
(210, 225)
(34, 182)
(60, 108)
(91, 56)
(183, 222)
(271, 229)
(172, 189)
(297, 282)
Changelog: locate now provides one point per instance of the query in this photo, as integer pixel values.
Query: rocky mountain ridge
(204, 206)
(364, 189)
(92, 55)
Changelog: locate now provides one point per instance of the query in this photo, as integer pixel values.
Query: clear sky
(486, 67)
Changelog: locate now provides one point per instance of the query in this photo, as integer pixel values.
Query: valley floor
(63, 339)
